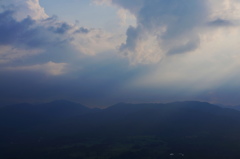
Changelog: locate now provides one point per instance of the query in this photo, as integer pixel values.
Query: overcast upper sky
(101, 52)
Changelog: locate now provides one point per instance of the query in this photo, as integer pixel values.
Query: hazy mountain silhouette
(63, 129)
(237, 107)
(23, 116)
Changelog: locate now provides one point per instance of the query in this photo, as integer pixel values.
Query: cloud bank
(166, 28)
(171, 50)
(26, 30)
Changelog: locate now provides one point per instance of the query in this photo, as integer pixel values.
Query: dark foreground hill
(66, 130)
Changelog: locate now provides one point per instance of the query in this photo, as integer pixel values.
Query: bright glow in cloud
(126, 18)
(225, 9)
(49, 68)
(9, 53)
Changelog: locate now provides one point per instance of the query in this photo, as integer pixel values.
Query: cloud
(184, 45)
(11, 30)
(26, 38)
(166, 28)
(60, 28)
(82, 30)
(209, 73)
(43, 57)
(189, 48)
(49, 68)
(94, 41)
(126, 18)
(25, 8)
(220, 23)
(9, 53)
(26, 30)
(225, 9)
(172, 27)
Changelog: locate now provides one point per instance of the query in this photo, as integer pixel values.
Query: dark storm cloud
(187, 47)
(132, 35)
(40, 41)
(61, 28)
(28, 33)
(82, 30)
(13, 32)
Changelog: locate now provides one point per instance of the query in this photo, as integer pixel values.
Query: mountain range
(68, 130)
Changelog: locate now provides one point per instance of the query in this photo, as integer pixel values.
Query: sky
(101, 52)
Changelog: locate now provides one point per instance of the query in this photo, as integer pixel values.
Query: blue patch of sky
(84, 11)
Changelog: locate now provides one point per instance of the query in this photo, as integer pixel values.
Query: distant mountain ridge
(195, 128)
(52, 109)
(24, 115)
